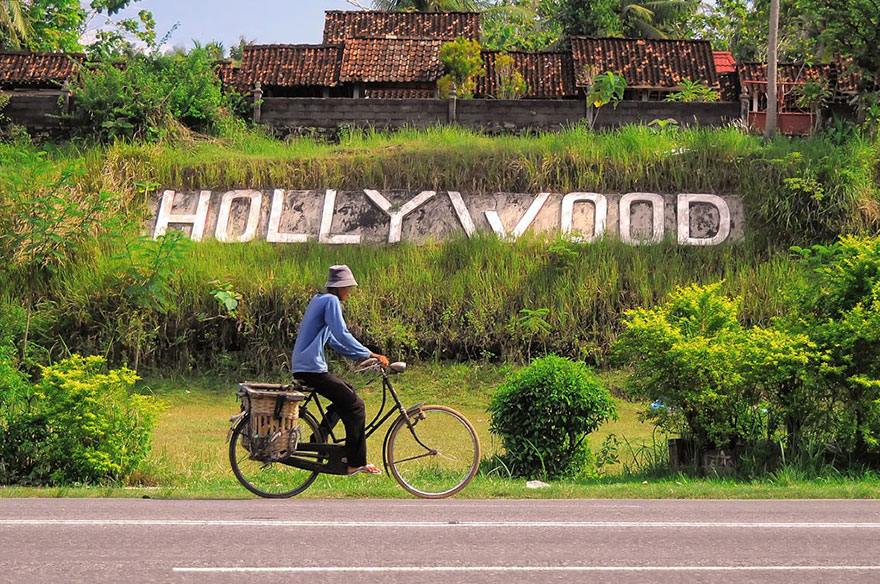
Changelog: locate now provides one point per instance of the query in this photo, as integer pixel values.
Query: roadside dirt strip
(509, 541)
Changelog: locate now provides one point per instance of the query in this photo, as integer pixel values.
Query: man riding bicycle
(322, 323)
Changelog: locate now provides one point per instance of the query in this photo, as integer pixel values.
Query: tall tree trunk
(770, 123)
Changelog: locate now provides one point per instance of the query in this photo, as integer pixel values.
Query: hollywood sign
(352, 217)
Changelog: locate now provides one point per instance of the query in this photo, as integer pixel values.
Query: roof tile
(21, 69)
(391, 60)
(290, 65)
(340, 25)
(646, 63)
(724, 62)
(547, 74)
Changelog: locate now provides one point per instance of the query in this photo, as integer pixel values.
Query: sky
(262, 21)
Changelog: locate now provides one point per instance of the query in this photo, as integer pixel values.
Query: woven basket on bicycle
(273, 409)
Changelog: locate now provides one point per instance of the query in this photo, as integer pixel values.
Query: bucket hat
(340, 277)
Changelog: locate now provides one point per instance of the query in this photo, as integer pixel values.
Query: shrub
(141, 97)
(693, 91)
(81, 425)
(717, 382)
(837, 305)
(509, 81)
(544, 413)
(463, 62)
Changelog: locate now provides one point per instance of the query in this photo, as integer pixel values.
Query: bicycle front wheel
(437, 457)
(273, 480)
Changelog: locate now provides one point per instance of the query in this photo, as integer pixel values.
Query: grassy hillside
(459, 299)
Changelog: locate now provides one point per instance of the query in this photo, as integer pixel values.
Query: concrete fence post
(65, 98)
(258, 102)
(452, 115)
(744, 109)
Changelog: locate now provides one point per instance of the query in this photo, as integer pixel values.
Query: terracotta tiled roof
(343, 25)
(399, 93)
(755, 74)
(391, 60)
(646, 63)
(226, 71)
(18, 69)
(546, 74)
(290, 65)
(729, 86)
(724, 62)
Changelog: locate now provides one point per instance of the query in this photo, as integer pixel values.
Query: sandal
(367, 468)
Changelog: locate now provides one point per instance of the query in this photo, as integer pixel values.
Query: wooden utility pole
(772, 74)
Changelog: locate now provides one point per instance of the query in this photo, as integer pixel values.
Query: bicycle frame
(334, 451)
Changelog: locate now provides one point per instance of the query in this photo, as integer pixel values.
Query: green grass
(189, 457)
(458, 299)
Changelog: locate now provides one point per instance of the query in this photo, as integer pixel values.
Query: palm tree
(14, 26)
(649, 19)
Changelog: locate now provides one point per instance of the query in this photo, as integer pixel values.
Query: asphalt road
(334, 541)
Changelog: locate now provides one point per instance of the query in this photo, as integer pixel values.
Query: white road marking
(420, 524)
(368, 569)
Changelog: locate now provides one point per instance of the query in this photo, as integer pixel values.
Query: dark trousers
(345, 405)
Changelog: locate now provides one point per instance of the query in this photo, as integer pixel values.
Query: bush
(463, 62)
(544, 413)
(837, 305)
(713, 380)
(141, 97)
(77, 425)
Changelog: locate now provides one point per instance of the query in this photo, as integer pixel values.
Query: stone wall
(36, 110)
(286, 115)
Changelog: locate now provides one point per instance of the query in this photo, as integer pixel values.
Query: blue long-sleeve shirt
(323, 323)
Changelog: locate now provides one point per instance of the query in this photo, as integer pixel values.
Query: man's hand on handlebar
(383, 360)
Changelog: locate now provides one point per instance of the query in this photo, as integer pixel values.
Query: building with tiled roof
(654, 66)
(728, 79)
(291, 70)
(391, 61)
(548, 75)
(22, 70)
(341, 25)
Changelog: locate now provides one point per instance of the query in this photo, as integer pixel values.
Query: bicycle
(432, 451)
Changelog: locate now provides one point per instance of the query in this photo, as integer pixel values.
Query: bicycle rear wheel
(274, 480)
(438, 457)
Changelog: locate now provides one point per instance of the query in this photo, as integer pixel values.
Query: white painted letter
(255, 198)
(464, 215)
(524, 222)
(197, 220)
(396, 226)
(273, 235)
(684, 219)
(600, 216)
(327, 222)
(658, 208)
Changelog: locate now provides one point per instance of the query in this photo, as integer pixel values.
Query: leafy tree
(528, 25)
(57, 24)
(851, 28)
(627, 18)
(463, 62)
